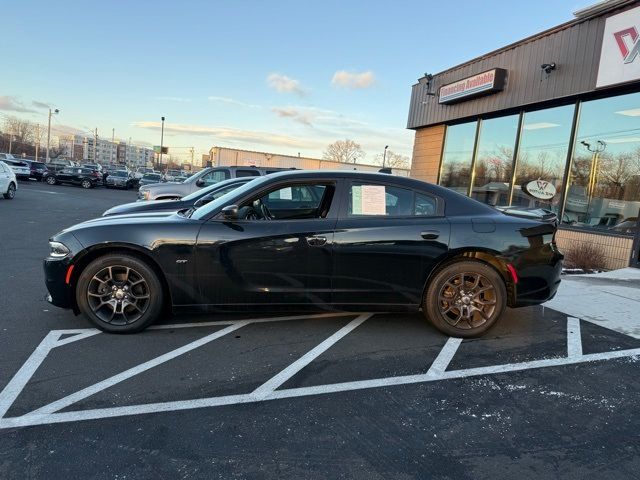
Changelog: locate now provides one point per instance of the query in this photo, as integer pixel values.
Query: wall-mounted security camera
(547, 67)
(428, 77)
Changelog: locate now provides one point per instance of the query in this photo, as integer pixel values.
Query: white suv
(8, 182)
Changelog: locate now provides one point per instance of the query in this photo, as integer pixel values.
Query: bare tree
(394, 160)
(23, 131)
(345, 151)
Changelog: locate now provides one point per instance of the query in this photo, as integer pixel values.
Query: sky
(275, 76)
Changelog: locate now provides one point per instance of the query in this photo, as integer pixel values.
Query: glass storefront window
(494, 160)
(457, 157)
(542, 154)
(604, 189)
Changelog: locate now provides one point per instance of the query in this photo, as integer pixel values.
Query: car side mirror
(230, 212)
(200, 183)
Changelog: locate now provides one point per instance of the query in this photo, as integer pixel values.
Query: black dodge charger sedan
(340, 240)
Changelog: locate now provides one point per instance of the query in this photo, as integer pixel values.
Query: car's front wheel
(119, 294)
(465, 299)
(86, 183)
(51, 180)
(11, 192)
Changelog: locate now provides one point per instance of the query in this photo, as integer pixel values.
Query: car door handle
(316, 241)
(430, 234)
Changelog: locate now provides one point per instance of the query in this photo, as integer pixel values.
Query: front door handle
(316, 241)
(430, 234)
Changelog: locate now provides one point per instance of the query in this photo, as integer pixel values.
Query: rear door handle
(430, 234)
(316, 241)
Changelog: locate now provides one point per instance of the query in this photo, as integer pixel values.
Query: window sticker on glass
(369, 200)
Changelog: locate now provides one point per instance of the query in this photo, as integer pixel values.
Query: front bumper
(55, 271)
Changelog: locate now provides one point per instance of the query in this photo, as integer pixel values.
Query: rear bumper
(538, 276)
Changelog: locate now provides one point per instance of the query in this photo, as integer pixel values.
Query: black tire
(99, 302)
(86, 183)
(11, 192)
(465, 299)
(51, 180)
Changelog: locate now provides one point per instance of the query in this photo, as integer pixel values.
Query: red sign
(470, 87)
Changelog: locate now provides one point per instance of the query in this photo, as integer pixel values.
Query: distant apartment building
(82, 149)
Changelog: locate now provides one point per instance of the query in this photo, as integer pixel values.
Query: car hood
(162, 184)
(142, 207)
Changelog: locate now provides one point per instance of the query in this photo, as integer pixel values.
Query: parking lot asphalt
(364, 396)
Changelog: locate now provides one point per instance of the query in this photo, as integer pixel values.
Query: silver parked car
(203, 178)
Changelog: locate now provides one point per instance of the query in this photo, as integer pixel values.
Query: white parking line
(50, 414)
(574, 338)
(143, 367)
(269, 386)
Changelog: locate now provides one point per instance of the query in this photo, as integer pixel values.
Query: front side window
(292, 202)
(458, 156)
(214, 177)
(387, 200)
(604, 185)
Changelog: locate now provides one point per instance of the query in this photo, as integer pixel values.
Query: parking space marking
(131, 372)
(444, 358)
(574, 338)
(270, 385)
(9, 394)
(50, 413)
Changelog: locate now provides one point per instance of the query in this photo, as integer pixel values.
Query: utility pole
(161, 144)
(192, 154)
(10, 140)
(37, 140)
(95, 147)
(56, 111)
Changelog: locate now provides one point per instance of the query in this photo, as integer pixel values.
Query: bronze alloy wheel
(118, 295)
(465, 298)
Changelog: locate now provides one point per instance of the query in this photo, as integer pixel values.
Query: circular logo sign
(539, 189)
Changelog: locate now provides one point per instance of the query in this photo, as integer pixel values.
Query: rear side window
(388, 200)
(247, 173)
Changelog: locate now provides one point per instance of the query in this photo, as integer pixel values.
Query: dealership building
(551, 121)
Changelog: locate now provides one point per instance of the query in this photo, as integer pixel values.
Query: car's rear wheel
(119, 294)
(86, 183)
(11, 192)
(51, 180)
(465, 299)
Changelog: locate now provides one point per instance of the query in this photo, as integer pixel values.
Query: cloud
(12, 104)
(66, 130)
(305, 118)
(284, 84)
(353, 80)
(231, 101)
(38, 104)
(173, 99)
(230, 135)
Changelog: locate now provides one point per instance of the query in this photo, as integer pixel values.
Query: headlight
(58, 250)
(144, 194)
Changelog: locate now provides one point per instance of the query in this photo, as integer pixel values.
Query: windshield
(120, 173)
(223, 201)
(212, 188)
(152, 176)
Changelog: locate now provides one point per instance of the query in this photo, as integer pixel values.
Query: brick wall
(427, 149)
(616, 250)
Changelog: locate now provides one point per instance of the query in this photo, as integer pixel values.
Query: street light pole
(593, 171)
(384, 156)
(161, 143)
(56, 111)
